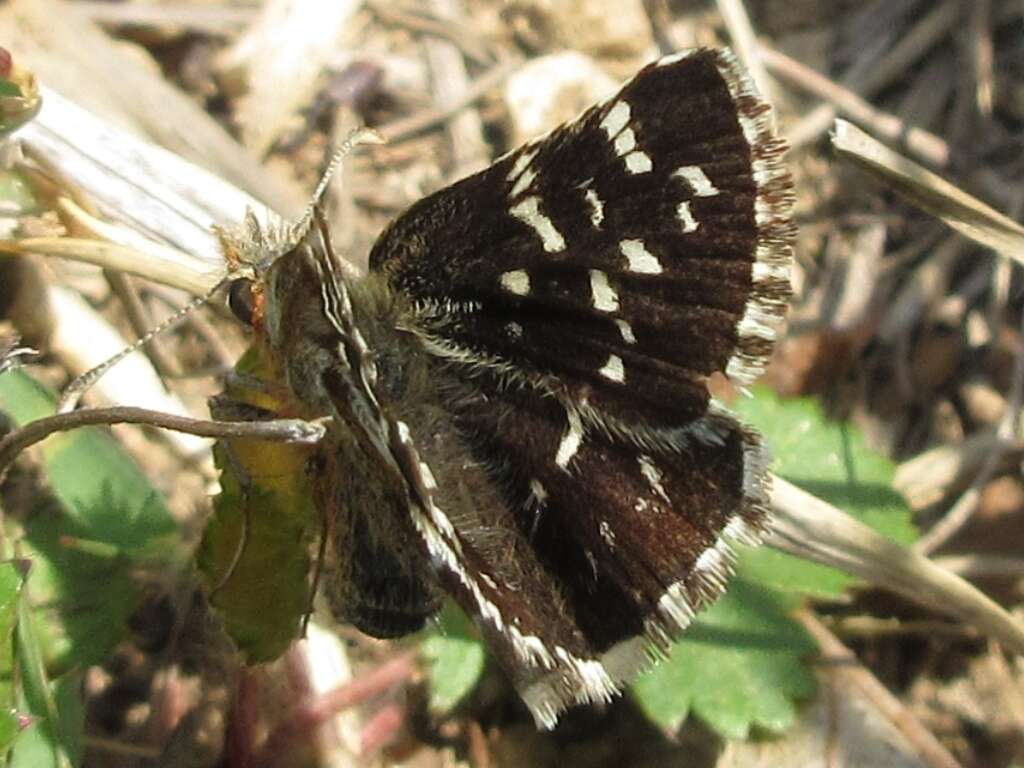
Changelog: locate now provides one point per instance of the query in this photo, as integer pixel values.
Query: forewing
(622, 258)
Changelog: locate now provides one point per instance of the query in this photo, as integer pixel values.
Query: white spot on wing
(571, 440)
(616, 119)
(428, 477)
(604, 296)
(517, 281)
(653, 476)
(520, 164)
(625, 142)
(523, 182)
(606, 533)
(624, 139)
(638, 162)
(686, 218)
(528, 211)
(589, 553)
(640, 259)
(626, 330)
(538, 491)
(596, 208)
(698, 180)
(614, 370)
(515, 330)
(486, 579)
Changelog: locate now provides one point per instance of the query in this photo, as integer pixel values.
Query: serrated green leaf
(833, 462)
(82, 602)
(457, 659)
(739, 666)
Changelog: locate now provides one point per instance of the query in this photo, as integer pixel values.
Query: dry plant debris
(902, 325)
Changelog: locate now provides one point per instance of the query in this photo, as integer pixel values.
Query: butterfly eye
(242, 299)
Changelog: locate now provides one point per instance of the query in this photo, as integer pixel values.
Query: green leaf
(81, 602)
(833, 462)
(739, 666)
(456, 656)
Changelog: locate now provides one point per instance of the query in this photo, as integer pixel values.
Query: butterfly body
(516, 396)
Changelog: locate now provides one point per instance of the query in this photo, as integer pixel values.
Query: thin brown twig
(450, 81)
(907, 50)
(873, 627)
(275, 430)
(142, 321)
(812, 529)
(963, 510)
(982, 566)
(925, 145)
(845, 667)
(304, 719)
(406, 127)
(461, 35)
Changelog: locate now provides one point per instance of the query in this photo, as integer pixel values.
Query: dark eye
(242, 299)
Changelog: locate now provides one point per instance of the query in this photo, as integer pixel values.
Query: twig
(280, 744)
(276, 430)
(214, 20)
(461, 35)
(927, 146)
(404, 128)
(964, 508)
(982, 566)
(872, 627)
(815, 530)
(845, 667)
(910, 47)
(928, 191)
(449, 82)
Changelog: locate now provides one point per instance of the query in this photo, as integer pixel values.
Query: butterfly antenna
(79, 386)
(355, 138)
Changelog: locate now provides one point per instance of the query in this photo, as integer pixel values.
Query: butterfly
(516, 393)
